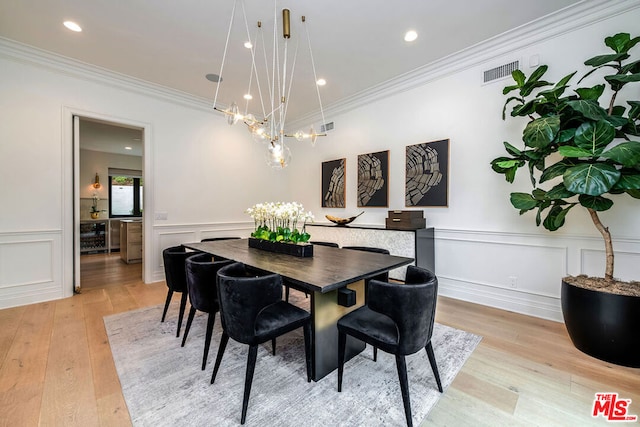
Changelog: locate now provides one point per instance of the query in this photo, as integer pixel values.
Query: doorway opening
(109, 161)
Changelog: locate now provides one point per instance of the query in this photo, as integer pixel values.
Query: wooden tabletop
(328, 269)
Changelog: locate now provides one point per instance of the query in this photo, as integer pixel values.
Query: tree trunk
(608, 245)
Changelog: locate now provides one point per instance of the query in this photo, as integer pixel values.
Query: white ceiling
(357, 44)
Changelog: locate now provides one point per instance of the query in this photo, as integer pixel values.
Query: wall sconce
(96, 182)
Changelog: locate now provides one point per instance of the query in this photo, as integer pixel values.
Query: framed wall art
(373, 179)
(427, 174)
(333, 183)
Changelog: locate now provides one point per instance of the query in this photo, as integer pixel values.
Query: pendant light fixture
(269, 125)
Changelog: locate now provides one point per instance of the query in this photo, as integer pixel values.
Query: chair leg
(251, 366)
(307, 348)
(286, 293)
(342, 343)
(183, 305)
(223, 345)
(192, 313)
(166, 304)
(404, 387)
(273, 346)
(375, 354)
(207, 339)
(434, 366)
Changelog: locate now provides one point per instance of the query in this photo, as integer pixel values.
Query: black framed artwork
(427, 174)
(373, 179)
(334, 183)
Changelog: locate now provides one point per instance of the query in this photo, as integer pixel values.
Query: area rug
(163, 384)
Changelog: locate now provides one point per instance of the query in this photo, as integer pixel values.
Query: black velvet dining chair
(384, 277)
(252, 312)
(397, 319)
(174, 271)
(201, 285)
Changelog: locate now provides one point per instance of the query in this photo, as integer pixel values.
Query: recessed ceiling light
(128, 148)
(321, 82)
(248, 45)
(72, 26)
(247, 96)
(410, 36)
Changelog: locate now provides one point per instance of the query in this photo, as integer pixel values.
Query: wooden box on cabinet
(405, 220)
(131, 241)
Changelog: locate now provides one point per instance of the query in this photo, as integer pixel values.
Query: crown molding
(582, 14)
(67, 66)
(568, 19)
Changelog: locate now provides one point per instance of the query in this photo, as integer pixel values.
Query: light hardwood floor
(57, 370)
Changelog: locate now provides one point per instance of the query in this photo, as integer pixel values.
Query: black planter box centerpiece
(302, 250)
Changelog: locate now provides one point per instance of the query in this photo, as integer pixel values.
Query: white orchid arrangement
(278, 222)
(94, 204)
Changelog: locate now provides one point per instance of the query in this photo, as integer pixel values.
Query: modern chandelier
(272, 81)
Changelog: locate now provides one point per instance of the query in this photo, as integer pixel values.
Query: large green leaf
(508, 164)
(588, 108)
(519, 77)
(627, 78)
(507, 102)
(628, 181)
(566, 135)
(525, 109)
(627, 154)
(557, 169)
(634, 113)
(621, 42)
(555, 93)
(634, 193)
(599, 60)
(571, 151)
(559, 192)
(523, 201)
(555, 218)
(528, 88)
(511, 149)
(616, 121)
(594, 136)
(597, 203)
(592, 93)
(592, 179)
(541, 132)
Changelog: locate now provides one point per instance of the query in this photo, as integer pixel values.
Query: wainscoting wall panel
(522, 272)
(626, 263)
(30, 267)
(174, 235)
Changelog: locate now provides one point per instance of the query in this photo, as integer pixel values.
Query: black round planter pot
(603, 325)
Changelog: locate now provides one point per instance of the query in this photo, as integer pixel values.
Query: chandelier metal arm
(271, 127)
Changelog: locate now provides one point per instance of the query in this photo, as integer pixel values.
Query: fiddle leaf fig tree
(578, 149)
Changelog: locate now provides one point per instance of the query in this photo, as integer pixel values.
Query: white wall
(481, 241)
(204, 174)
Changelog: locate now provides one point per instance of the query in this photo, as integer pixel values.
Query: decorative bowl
(342, 221)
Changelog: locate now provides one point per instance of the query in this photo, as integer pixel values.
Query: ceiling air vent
(500, 72)
(326, 127)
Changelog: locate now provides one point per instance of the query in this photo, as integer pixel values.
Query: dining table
(334, 278)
